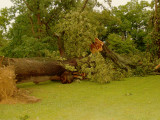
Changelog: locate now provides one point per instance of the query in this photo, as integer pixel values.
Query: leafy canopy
(77, 33)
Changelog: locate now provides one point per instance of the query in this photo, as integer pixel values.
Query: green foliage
(96, 68)
(3, 42)
(69, 67)
(144, 62)
(150, 44)
(156, 30)
(134, 18)
(119, 45)
(39, 24)
(29, 47)
(4, 22)
(55, 55)
(77, 33)
(4, 19)
(105, 21)
(120, 74)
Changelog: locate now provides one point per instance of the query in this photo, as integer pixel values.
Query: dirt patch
(9, 93)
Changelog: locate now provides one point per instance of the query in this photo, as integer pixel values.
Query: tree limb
(28, 6)
(60, 45)
(31, 21)
(84, 6)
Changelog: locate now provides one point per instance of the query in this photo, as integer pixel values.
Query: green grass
(136, 98)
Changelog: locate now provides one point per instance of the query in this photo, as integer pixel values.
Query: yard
(135, 98)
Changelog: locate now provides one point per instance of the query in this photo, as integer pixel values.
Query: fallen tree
(117, 59)
(43, 69)
(30, 69)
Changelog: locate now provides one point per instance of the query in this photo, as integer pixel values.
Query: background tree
(4, 23)
(156, 29)
(134, 18)
(36, 20)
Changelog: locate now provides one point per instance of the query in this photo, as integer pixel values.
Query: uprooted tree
(73, 32)
(76, 40)
(42, 69)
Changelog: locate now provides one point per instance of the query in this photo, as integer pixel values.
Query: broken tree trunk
(29, 69)
(99, 46)
(119, 61)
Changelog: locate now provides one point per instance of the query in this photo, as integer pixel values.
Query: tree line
(51, 25)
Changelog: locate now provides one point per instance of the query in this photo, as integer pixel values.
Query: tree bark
(60, 44)
(26, 68)
(84, 6)
(118, 60)
(32, 26)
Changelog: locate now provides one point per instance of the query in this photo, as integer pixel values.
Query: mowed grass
(136, 98)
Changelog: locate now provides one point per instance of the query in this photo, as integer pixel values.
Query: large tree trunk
(27, 69)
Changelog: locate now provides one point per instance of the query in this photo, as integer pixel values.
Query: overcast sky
(123, 2)
(7, 3)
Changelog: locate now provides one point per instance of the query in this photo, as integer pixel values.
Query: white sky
(7, 3)
(123, 2)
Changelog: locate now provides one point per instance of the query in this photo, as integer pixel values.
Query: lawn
(136, 98)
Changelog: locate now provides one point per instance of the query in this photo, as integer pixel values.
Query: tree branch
(84, 6)
(31, 21)
(60, 44)
(28, 6)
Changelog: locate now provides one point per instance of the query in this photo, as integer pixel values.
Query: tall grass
(7, 82)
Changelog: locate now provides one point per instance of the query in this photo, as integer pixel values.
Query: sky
(8, 3)
(123, 2)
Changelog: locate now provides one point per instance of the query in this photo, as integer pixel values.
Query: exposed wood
(96, 46)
